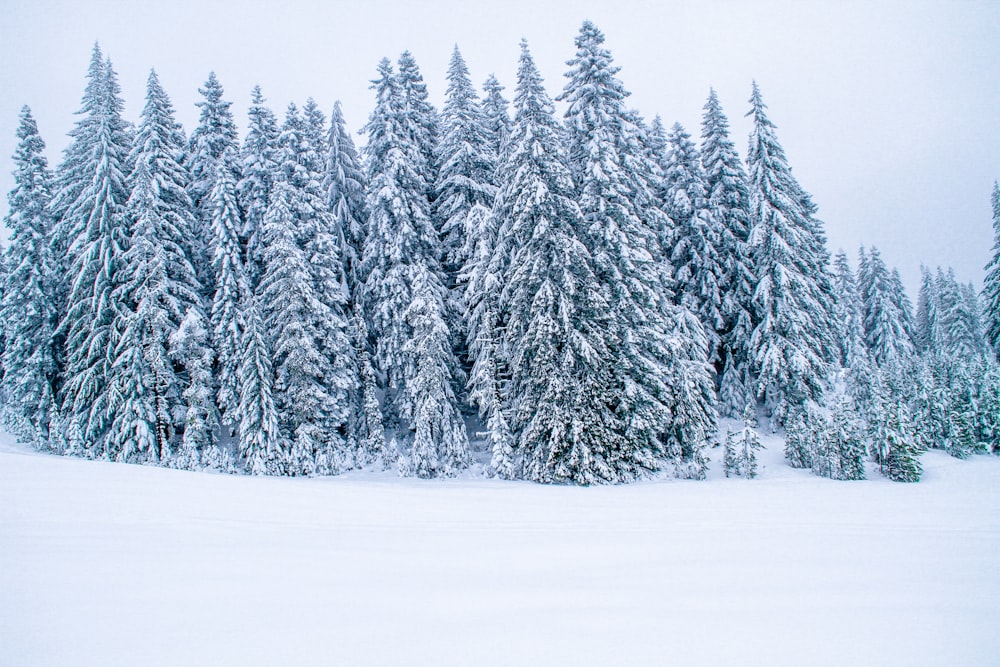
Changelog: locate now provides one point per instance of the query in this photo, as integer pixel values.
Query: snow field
(108, 564)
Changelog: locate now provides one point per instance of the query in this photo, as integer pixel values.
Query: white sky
(888, 111)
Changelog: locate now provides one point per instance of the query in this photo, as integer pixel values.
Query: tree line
(599, 289)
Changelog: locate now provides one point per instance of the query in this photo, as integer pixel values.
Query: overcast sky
(888, 111)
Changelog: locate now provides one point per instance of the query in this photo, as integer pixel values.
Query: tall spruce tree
(157, 289)
(791, 342)
(30, 356)
(496, 112)
(92, 230)
(209, 143)
(885, 321)
(404, 289)
(849, 314)
(231, 289)
(467, 163)
(259, 163)
(620, 234)
(697, 239)
(991, 285)
(344, 186)
(729, 202)
(304, 312)
(556, 331)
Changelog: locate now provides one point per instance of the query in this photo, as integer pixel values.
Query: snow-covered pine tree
(420, 119)
(848, 440)
(467, 162)
(885, 323)
(260, 439)
(231, 289)
(316, 133)
(924, 323)
(988, 403)
(729, 202)
(191, 348)
(495, 111)
(557, 333)
(304, 313)
(157, 289)
(741, 448)
(215, 133)
(991, 284)
(892, 435)
(695, 253)
(798, 442)
(404, 289)
(92, 230)
(792, 341)
(344, 185)
(30, 358)
(961, 442)
(620, 233)
(259, 163)
(849, 314)
(959, 324)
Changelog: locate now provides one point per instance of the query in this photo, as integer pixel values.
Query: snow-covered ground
(107, 564)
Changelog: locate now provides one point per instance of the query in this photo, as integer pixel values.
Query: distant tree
(849, 314)
(741, 448)
(495, 111)
(30, 357)
(991, 285)
(886, 321)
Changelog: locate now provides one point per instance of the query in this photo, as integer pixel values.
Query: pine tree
(304, 313)
(557, 323)
(741, 448)
(849, 440)
(729, 202)
(991, 284)
(158, 288)
(792, 341)
(344, 185)
(259, 164)
(697, 237)
(620, 233)
(260, 440)
(467, 163)
(894, 445)
(404, 289)
(30, 357)
(91, 229)
(483, 282)
(798, 447)
(191, 348)
(495, 111)
(210, 142)
(885, 321)
(231, 289)
(420, 119)
(848, 314)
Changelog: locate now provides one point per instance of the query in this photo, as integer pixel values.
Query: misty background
(887, 110)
